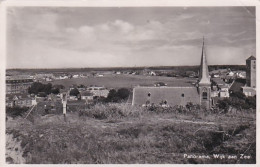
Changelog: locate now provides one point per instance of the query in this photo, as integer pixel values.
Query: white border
(115, 3)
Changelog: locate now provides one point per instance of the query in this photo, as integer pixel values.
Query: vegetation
(16, 111)
(74, 92)
(125, 81)
(238, 101)
(118, 95)
(119, 133)
(38, 87)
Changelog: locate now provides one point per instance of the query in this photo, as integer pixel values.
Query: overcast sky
(56, 37)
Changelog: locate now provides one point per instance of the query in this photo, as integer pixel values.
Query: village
(39, 106)
(223, 82)
(121, 84)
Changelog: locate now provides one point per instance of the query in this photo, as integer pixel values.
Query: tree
(58, 87)
(74, 92)
(117, 96)
(224, 104)
(123, 93)
(55, 91)
(239, 95)
(16, 111)
(112, 96)
(37, 87)
(251, 102)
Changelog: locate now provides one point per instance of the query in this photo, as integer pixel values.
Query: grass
(120, 133)
(126, 81)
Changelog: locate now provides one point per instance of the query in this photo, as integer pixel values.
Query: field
(126, 81)
(121, 133)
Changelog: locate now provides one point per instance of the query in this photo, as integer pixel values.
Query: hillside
(120, 133)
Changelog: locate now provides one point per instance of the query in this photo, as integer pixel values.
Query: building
(18, 85)
(251, 72)
(86, 95)
(250, 88)
(21, 100)
(172, 96)
(219, 87)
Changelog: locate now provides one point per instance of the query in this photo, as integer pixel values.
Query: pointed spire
(204, 71)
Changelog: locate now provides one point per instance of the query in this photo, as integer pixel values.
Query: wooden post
(64, 105)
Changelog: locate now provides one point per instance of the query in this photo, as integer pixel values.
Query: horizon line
(119, 67)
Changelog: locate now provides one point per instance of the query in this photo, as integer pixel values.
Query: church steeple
(204, 71)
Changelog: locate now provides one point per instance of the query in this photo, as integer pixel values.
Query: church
(172, 96)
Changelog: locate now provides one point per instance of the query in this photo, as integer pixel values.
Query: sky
(82, 37)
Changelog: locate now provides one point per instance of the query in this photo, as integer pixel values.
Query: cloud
(128, 36)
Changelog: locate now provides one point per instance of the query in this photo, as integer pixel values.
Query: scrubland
(121, 133)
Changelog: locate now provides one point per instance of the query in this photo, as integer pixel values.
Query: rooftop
(173, 95)
(251, 58)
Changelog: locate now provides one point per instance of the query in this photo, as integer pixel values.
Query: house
(98, 91)
(218, 85)
(14, 86)
(237, 85)
(216, 75)
(172, 96)
(75, 76)
(21, 100)
(86, 95)
(231, 73)
(158, 84)
(241, 75)
(224, 91)
(152, 73)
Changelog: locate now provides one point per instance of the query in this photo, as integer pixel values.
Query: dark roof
(173, 95)
(238, 83)
(86, 93)
(19, 80)
(218, 81)
(19, 95)
(251, 58)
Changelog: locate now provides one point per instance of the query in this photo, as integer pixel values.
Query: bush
(123, 93)
(74, 92)
(118, 96)
(55, 91)
(37, 87)
(239, 95)
(240, 101)
(224, 104)
(251, 101)
(112, 96)
(16, 111)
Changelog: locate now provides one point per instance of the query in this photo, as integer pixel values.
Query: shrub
(37, 87)
(117, 96)
(123, 93)
(239, 95)
(224, 104)
(74, 92)
(16, 111)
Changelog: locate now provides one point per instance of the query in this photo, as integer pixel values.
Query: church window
(149, 94)
(205, 95)
(182, 95)
(165, 102)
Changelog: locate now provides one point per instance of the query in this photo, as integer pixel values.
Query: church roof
(251, 58)
(204, 71)
(173, 95)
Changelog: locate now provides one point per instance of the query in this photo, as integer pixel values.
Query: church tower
(251, 72)
(204, 81)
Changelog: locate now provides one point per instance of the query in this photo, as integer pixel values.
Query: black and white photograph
(130, 84)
